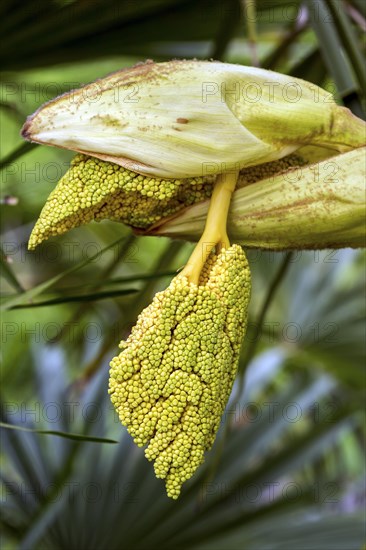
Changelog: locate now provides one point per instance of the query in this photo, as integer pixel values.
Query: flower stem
(214, 234)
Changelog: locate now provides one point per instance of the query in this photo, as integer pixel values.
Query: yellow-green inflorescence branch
(173, 377)
(171, 382)
(93, 189)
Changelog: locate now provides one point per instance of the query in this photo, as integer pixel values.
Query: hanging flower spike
(171, 382)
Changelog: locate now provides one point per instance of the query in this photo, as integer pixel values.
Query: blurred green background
(287, 469)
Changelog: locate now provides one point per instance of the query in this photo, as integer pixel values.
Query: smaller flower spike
(93, 189)
(171, 381)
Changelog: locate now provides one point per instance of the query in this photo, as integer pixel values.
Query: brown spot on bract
(108, 120)
(182, 120)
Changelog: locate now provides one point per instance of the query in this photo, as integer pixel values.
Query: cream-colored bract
(316, 206)
(191, 118)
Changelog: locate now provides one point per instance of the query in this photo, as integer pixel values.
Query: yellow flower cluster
(93, 189)
(268, 169)
(171, 382)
